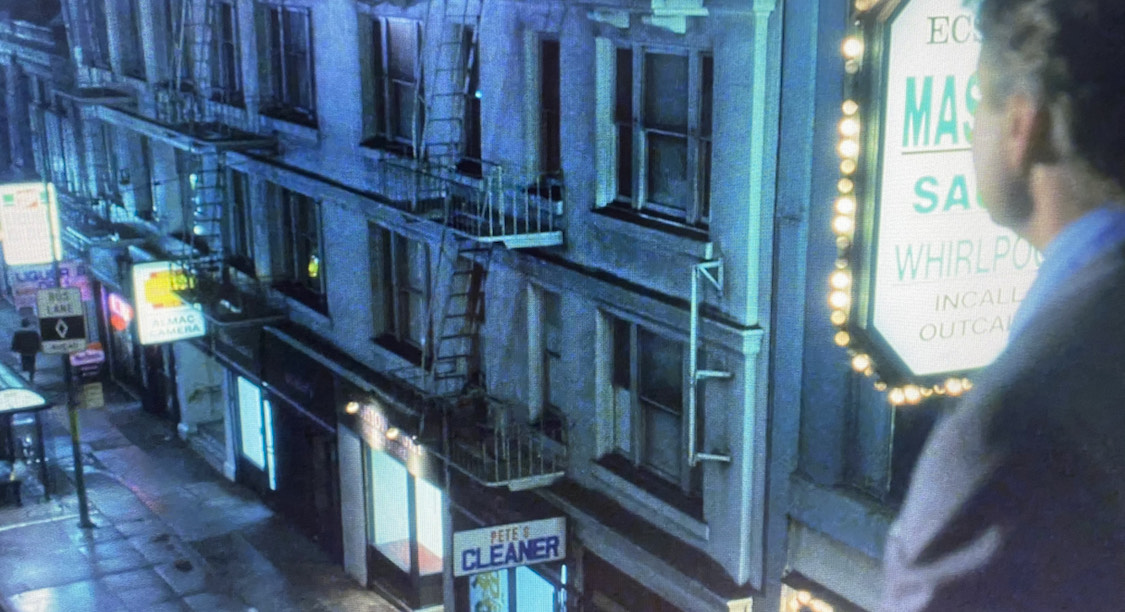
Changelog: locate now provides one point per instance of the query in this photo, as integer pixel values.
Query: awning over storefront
(15, 394)
(361, 381)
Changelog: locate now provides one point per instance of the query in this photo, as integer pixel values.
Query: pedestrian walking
(26, 343)
(1018, 500)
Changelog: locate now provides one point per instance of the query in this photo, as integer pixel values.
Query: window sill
(403, 350)
(316, 302)
(683, 516)
(380, 147)
(665, 234)
(288, 116)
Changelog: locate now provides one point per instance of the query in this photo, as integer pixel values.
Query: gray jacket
(1018, 500)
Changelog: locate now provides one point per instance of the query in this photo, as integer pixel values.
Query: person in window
(26, 343)
(1018, 500)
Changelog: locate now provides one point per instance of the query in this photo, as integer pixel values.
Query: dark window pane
(403, 116)
(661, 369)
(662, 441)
(625, 161)
(668, 183)
(666, 91)
(707, 95)
(623, 107)
(622, 355)
(550, 105)
(402, 48)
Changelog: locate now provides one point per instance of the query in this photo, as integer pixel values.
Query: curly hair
(1069, 55)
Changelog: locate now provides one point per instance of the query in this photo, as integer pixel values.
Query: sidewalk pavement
(171, 533)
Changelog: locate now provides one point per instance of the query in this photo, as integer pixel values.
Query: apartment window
(403, 292)
(132, 51)
(397, 95)
(662, 112)
(226, 71)
(303, 250)
(649, 383)
(550, 106)
(181, 45)
(96, 36)
(471, 152)
(105, 162)
(238, 224)
(553, 419)
(289, 81)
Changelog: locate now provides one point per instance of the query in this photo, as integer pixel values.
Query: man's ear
(1028, 133)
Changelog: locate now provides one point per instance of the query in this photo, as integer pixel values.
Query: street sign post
(62, 323)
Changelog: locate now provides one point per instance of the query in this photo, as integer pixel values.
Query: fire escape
(477, 207)
(205, 125)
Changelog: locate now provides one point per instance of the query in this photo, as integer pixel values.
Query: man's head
(1052, 76)
(25, 323)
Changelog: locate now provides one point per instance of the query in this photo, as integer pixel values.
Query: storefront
(233, 426)
(298, 428)
(403, 523)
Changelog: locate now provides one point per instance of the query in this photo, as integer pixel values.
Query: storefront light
(848, 148)
(861, 362)
(852, 48)
(843, 226)
(840, 280)
(351, 407)
(842, 338)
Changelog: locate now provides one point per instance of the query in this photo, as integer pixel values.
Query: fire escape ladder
(457, 27)
(455, 313)
(207, 194)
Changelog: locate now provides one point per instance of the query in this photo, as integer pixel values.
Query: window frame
(398, 292)
(226, 80)
(386, 113)
(688, 480)
(282, 99)
(299, 283)
(97, 36)
(173, 12)
(238, 223)
(633, 132)
(131, 45)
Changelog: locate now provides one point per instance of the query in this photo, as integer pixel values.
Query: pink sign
(27, 280)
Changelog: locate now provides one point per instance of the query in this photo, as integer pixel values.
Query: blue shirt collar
(1084, 240)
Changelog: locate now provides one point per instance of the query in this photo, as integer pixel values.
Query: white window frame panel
(696, 210)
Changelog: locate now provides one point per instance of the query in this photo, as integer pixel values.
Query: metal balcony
(514, 455)
(493, 208)
(486, 442)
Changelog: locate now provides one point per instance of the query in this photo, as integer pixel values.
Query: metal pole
(79, 476)
(71, 401)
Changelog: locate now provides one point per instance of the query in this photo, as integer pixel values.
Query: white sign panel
(161, 315)
(505, 546)
(30, 223)
(947, 280)
(62, 321)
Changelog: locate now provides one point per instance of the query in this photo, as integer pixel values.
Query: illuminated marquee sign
(30, 223)
(504, 546)
(161, 315)
(926, 285)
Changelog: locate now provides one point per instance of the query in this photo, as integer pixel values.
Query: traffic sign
(62, 323)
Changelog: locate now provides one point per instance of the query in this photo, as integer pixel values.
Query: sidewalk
(171, 534)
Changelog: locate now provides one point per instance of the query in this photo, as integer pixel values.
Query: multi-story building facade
(471, 263)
